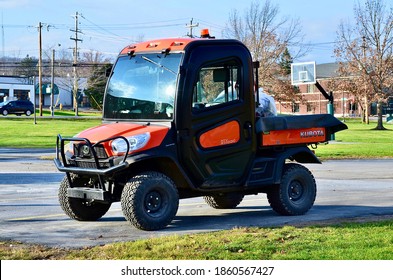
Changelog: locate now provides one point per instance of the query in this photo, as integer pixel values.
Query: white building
(14, 88)
(10, 91)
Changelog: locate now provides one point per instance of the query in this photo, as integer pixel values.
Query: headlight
(136, 142)
(69, 147)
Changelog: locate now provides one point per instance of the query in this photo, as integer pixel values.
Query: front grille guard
(62, 164)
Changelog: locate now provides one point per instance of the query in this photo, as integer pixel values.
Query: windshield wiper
(159, 65)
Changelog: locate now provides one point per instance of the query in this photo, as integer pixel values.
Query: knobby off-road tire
(150, 201)
(224, 201)
(296, 193)
(79, 209)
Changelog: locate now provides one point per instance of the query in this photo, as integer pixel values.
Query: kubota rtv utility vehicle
(180, 121)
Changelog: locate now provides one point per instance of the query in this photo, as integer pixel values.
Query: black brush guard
(100, 193)
(63, 165)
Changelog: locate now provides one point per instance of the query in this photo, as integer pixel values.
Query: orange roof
(171, 44)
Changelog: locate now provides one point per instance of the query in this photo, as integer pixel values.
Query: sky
(108, 26)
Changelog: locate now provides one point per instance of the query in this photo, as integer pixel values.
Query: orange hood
(104, 131)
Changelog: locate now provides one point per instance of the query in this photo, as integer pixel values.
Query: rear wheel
(28, 113)
(79, 209)
(296, 193)
(224, 201)
(150, 201)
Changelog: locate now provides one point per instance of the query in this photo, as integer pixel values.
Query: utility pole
(75, 63)
(39, 68)
(191, 26)
(52, 85)
(40, 96)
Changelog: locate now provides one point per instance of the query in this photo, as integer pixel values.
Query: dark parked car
(17, 107)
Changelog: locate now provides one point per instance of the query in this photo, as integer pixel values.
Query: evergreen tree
(96, 85)
(27, 67)
(285, 61)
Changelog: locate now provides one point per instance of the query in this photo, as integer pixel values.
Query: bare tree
(268, 36)
(88, 64)
(62, 67)
(365, 53)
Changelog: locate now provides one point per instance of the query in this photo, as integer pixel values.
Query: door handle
(247, 131)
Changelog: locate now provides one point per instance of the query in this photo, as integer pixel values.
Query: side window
(216, 84)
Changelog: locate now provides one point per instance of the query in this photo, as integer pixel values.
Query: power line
(100, 27)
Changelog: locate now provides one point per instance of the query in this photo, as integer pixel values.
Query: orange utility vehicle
(180, 121)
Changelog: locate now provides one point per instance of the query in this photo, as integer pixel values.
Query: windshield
(142, 87)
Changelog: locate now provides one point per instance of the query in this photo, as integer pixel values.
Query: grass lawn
(359, 141)
(347, 241)
(23, 133)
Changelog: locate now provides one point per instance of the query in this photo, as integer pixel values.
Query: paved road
(30, 212)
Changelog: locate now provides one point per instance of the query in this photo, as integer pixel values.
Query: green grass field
(359, 141)
(23, 133)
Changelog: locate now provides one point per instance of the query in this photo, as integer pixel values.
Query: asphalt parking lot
(30, 212)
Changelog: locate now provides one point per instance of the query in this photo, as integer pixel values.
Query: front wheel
(5, 112)
(296, 193)
(150, 201)
(79, 209)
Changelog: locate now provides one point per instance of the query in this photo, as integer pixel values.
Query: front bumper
(65, 165)
(80, 170)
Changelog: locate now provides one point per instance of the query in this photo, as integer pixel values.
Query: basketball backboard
(303, 73)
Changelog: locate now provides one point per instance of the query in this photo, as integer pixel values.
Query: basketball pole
(330, 105)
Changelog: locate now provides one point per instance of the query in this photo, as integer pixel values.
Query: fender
(163, 160)
(268, 166)
(299, 154)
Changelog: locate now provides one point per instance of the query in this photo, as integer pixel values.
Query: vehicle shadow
(266, 217)
(60, 230)
(247, 216)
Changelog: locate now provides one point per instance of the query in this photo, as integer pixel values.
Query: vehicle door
(19, 107)
(215, 116)
(12, 107)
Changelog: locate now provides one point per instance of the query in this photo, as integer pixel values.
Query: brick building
(313, 102)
